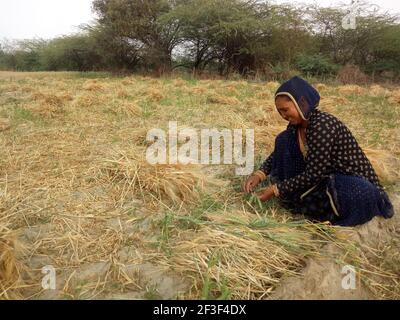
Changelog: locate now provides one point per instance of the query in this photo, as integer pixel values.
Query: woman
(317, 167)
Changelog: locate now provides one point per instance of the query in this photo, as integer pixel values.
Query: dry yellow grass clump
(376, 90)
(330, 104)
(231, 89)
(244, 253)
(128, 109)
(122, 93)
(48, 104)
(93, 85)
(395, 97)
(4, 124)
(198, 90)
(169, 182)
(351, 89)
(264, 95)
(10, 266)
(221, 99)
(273, 85)
(384, 163)
(179, 83)
(155, 94)
(321, 87)
(52, 99)
(88, 100)
(128, 81)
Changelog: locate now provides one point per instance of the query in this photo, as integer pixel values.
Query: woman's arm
(320, 140)
(266, 166)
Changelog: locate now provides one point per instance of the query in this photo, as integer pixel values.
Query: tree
(352, 45)
(139, 22)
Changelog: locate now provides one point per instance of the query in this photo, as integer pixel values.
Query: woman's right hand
(251, 182)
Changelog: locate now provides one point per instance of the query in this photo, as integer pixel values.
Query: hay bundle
(198, 90)
(122, 93)
(49, 104)
(265, 136)
(129, 109)
(248, 256)
(329, 103)
(376, 90)
(221, 99)
(229, 88)
(93, 85)
(128, 81)
(395, 97)
(169, 182)
(384, 163)
(4, 124)
(272, 85)
(321, 87)
(179, 83)
(56, 100)
(155, 95)
(88, 101)
(351, 89)
(10, 268)
(264, 95)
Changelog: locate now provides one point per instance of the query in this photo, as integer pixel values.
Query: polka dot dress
(333, 181)
(331, 148)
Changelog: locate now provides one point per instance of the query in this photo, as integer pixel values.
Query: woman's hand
(266, 194)
(251, 182)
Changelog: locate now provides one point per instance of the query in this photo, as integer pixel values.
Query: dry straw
(69, 181)
(11, 251)
(351, 89)
(248, 255)
(176, 183)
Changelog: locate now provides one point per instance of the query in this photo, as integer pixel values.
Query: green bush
(316, 65)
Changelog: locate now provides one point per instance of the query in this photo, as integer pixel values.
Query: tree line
(225, 37)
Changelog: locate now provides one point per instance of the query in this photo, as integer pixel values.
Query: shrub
(316, 65)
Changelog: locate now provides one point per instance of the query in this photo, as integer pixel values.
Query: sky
(28, 19)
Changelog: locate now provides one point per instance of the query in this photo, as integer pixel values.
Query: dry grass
(384, 163)
(4, 124)
(93, 85)
(155, 94)
(79, 191)
(273, 86)
(221, 99)
(177, 183)
(376, 90)
(395, 97)
(87, 101)
(198, 90)
(321, 87)
(10, 264)
(351, 89)
(128, 109)
(237, 251)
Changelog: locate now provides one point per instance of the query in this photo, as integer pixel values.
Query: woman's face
(287, 110)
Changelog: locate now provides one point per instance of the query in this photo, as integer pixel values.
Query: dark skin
(288, 111)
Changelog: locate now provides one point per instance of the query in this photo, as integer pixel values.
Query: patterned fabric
(344, 200)
(334, 165)
(331, 148)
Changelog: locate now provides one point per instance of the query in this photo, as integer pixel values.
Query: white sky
(25, 19)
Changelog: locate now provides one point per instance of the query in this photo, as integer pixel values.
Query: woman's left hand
(266, 194)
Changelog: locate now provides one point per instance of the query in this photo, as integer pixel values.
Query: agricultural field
(77, 193)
